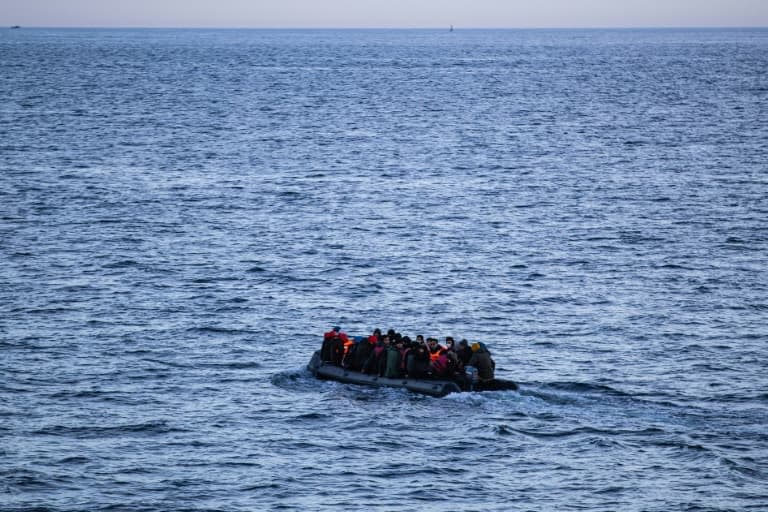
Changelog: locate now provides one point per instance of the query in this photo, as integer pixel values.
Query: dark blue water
(183, 213)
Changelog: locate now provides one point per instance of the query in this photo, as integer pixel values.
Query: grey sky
(384, 13)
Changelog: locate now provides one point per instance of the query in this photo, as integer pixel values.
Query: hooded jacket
(481, 359)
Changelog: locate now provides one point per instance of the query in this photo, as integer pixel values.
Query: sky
(385, 13)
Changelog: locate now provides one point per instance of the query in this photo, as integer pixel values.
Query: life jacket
(437, 352)
(348, 344)
(440, 364)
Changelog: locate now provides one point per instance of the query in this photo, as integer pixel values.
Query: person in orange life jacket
(349, 355)
(434, 349)
(443, 366)
(349, 347)
(348, 344)
(481, 359)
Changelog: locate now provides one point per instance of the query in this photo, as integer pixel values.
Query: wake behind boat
(420, 366)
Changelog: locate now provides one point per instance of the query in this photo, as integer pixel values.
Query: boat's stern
(315, 363)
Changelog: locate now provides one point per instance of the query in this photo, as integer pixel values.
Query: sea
(183, 213)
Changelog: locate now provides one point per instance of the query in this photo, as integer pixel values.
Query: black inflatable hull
(436, 388)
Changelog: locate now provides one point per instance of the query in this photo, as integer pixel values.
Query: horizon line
(441, 27)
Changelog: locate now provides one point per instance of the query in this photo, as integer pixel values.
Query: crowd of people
(393, 356)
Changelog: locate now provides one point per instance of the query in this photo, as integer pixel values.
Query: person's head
(475, 347)
(406, 340)
(377, 332)
(419, 338)
(463, 344)
(336, 328)
(432, 342)
(385, 339)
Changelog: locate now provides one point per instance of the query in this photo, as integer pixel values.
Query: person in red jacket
(329, 339)
(336, 343)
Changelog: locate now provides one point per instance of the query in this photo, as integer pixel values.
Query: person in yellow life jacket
(481, 359)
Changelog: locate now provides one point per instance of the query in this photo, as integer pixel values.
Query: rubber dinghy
(432, 387)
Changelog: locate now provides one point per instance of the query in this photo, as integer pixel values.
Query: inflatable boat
(432, 387)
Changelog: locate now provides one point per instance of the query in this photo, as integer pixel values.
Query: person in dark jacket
(481, 359)
(393, 361)
(374, 363)
(329, 339)
(337, 351)
(405, 349)
(349, 357)
(362, 353)
(418, 362)
(464, 353)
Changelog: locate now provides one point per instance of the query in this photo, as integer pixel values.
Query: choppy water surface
(183, 213)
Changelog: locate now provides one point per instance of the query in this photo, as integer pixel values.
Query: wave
(219, 330)
(25, 480)
(95, 432)
(584, 388)
(121, 264)
(298, 380)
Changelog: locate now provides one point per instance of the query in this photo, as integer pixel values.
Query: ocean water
(184, 212)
